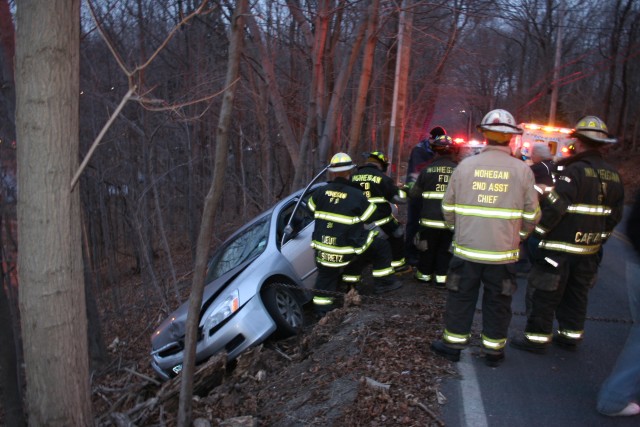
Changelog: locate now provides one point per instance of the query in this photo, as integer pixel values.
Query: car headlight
(221, 311)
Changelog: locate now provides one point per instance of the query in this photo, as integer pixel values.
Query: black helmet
(379, 157)
(591, 129)
(442, 144)
(437, 131)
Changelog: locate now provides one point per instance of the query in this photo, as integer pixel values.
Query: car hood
(172, 329)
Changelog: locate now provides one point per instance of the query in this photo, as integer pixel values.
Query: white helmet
(501, 122)
(341, 162)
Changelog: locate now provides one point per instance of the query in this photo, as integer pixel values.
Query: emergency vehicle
(557, 138)
(469, 148)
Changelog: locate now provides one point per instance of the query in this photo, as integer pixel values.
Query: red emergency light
(550, 129)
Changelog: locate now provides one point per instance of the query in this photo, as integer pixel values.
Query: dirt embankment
(367, 363)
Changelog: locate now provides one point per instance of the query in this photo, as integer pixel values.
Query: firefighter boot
(565, 343)
(494, 359)
(523, 343)
(385, 284)
(441, 349)
(403, 269)
(441, 281)
(421, 277)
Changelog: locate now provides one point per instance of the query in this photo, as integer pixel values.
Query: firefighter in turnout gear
(344, 237)
(420, 156)
(577, 218)
(434, 237)
(492, 205)
(380, 189)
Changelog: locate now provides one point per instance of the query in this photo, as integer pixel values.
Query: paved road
(560, 387)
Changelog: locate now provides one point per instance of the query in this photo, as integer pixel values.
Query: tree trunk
(210, 206)
(7, 89)
(302, 173)
(97, 349)
(337, 95)
(284, 127)
(52, 294)
(441, 67)
(161, 229)
(11, 387)
(355, 141)
(318, 90)
(9, 367)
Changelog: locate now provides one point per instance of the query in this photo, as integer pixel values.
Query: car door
(297, 247)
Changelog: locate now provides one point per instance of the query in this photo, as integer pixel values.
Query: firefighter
(434, 237)
(491, 204)
(343, 237)
(577, 218)
(380, 189)
(543, 167)
(420, 156)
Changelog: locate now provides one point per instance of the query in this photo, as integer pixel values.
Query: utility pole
(556, 68)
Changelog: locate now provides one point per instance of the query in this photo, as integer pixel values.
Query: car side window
(301, 218)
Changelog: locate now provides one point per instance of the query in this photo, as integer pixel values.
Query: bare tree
(52, 294)
(210, 206)
(10, 371)
(355, 141)
(328, 137)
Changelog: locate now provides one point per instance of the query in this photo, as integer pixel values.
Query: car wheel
(284, 308)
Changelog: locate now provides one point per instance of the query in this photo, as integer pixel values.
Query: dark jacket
(584, 207)
(380, 189)
(543, 172)
(340, 212)
(420, 156)
(430, 187)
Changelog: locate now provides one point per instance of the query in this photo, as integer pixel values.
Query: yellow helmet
(379, 157)
(341, 162)
(593, 129)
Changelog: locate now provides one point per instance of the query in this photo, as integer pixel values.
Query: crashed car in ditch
(257, 283)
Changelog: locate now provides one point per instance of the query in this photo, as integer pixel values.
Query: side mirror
(288, 232)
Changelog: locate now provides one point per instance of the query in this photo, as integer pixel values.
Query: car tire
(284, 308)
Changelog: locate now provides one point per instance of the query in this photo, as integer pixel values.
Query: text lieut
(489, 184)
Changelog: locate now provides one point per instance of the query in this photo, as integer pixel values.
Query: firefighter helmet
(341, 162)
(442, 144)
(499, 125)
(379, 157)
(437, 131)
(592, 129)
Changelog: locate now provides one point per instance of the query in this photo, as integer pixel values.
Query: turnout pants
(327, 280)
(560, 292)
(413, 225)
(463, 282)
(395, 238)
(436, 259)
(378, 254)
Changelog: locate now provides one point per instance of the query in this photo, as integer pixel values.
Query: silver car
(257, 283)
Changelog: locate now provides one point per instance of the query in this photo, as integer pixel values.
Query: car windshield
(246, 245)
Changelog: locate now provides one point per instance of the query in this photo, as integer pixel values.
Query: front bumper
(248, 326)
